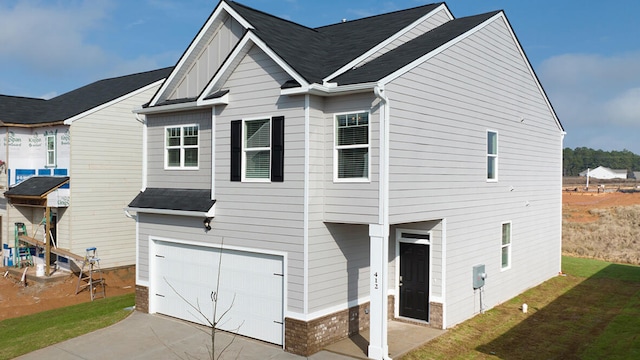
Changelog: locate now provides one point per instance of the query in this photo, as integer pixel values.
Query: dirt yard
(576, 205)
(18, 300)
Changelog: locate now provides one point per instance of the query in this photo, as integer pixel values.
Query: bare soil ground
(576, 206)
(18, 300)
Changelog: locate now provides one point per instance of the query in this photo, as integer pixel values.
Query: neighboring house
(604, 173)
(345, 174)
(636, 175)
(77, 156)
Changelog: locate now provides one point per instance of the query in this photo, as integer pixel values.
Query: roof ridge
(378, 15)
(22, 97)
(271, 15)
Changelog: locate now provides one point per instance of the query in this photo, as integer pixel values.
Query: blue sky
(586, 53)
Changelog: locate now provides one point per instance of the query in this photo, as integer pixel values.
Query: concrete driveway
(144, 336)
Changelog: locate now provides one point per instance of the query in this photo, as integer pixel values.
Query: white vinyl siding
(104, 183)
(441, 111)
(161, 176)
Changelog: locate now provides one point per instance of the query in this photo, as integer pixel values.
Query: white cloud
(50, 36)
(597, 97)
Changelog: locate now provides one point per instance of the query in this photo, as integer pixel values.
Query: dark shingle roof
(174, 199)
(37, 186)
(412, 50)
(330, 47)
(28, 111)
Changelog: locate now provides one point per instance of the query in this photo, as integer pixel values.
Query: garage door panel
(250, 288)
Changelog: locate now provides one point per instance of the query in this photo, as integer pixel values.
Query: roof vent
(344, 20)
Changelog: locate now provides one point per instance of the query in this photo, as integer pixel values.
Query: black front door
(414, 281)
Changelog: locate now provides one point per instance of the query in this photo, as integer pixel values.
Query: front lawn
(591, 313)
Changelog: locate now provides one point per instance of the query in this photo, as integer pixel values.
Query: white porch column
(379, 245)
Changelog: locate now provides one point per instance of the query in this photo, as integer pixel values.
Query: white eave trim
(167, 108)
(222, 100)
(388, 41)
(329, 89)
(210, 213)
(70, 120)
(223, 6)
(243, 47)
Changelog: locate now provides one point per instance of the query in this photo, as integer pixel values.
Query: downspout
(378, 347)
(144, 150)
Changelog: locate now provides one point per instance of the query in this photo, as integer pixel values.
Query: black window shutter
(277, 149)
(236, 150)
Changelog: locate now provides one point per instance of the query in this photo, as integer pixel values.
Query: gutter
(330, 89)
(167, 108)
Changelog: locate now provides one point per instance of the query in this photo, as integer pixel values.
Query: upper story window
(351, 153)
(181, 147)
(257, 150)
(492, 156)
(51, 150)
(506, 245)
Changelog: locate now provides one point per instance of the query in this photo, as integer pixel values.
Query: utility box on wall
(478, 276)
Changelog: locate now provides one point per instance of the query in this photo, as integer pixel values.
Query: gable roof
(31, 111)
(412, 50)
(36, 186)
(328, 43)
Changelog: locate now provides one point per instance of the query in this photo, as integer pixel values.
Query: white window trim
(181, 147)
(337, 179)
(495, 156)
(55, 150)
(244, 150)
(509, 246)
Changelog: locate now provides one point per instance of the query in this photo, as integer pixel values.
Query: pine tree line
(579, 159)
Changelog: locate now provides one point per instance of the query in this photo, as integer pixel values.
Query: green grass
(32, 332)
(592, 313)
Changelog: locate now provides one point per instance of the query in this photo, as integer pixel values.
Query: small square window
(181, 147)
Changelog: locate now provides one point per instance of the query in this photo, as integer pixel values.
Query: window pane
(51, 158)
(191, 135)
(173, 157)
(257, 133)
(51, 143)
(353, 163)
(506, 234)
(491, 167)
(191, 157)
(258, 164)
(492, 143)
(173, 137)
(505, 256)
(356, 135)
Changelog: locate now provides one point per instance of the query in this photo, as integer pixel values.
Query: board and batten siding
(209, 56)
(346, 201)
(436, 19)
(105, 171)
(441, 111)
(159, 177)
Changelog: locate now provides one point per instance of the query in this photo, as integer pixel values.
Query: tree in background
(579, 159)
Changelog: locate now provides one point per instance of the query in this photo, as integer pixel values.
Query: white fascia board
(386, 42)
(222, 100)
(322, 90)
(242, 49)
(69, 121)
(210, 213)
(167, 108)
(217, 13)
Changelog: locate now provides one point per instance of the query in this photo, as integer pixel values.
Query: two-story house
(322, 181)
(76, 157)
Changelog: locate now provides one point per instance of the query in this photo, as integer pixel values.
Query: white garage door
(250, 288)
